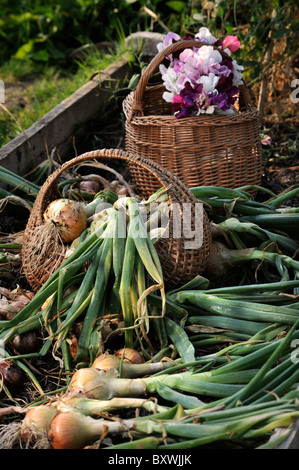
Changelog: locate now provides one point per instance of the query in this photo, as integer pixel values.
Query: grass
(35, 89)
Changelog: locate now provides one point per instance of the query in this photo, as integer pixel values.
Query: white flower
(209, 82)
(160, 46)
(203, 110)
(167, 96)
(169, 78)
(205, 35)
(238, 75)
(210, 110)
(208, 55)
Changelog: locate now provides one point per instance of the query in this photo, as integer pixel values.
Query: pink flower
(178, 66)
(232, 42)
(266, 140)
(186, 55)
(177, 99)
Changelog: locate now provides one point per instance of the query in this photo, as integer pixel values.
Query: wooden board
(59, 126)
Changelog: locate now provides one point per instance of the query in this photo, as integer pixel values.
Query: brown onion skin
(37, 420)
(106, 362)
(12, 376)
(129, 356)
(26, 343)
(62, 433)
(71, 219)
(89, 186)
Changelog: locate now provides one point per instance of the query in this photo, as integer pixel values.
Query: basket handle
(162, 175)
(137, 104)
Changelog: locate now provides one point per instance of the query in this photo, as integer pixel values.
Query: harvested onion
(222, 261)
(106, 362)
(89, 186)
(11, 376)
(27, 342)
(37, 421)
(93, 384)
(129, 355)
(74, 431)
(68, 216)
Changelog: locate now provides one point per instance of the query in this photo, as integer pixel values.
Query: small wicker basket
(205, 150)
(180, 263)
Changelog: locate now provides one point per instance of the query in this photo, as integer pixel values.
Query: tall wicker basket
(205, 150)
(180, 262)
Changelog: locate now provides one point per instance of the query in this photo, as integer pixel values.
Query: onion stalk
(105, 362)
(222, 260)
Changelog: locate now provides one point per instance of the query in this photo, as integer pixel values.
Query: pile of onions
(64, 423)
(68, 217)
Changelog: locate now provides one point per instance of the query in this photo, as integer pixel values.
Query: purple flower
(218, 43)
(228, 61)
(266, 140)
(184, 104)
(225, 83)
(178, 66)
(170, 38)
(224, 99)
(221, 101)
(218, 69)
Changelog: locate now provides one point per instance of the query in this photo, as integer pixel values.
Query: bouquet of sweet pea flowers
(201, 80)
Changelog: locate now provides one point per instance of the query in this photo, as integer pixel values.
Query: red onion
(11, 376)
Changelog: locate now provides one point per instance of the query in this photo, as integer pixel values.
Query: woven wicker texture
(180, 263)
(205, 150)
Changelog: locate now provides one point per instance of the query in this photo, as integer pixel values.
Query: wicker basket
(206, 150)
(180, 263)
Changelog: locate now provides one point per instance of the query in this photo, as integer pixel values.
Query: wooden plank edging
(58, 127)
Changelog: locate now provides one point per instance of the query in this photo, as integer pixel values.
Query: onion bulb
(129, 355)
(68, 216)
(75, 431)
(126, 368)
(26, 342)
(37, 421)
(94, 383)
(11, 375)
(89, 186)
(106, 362)
(222, 261)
